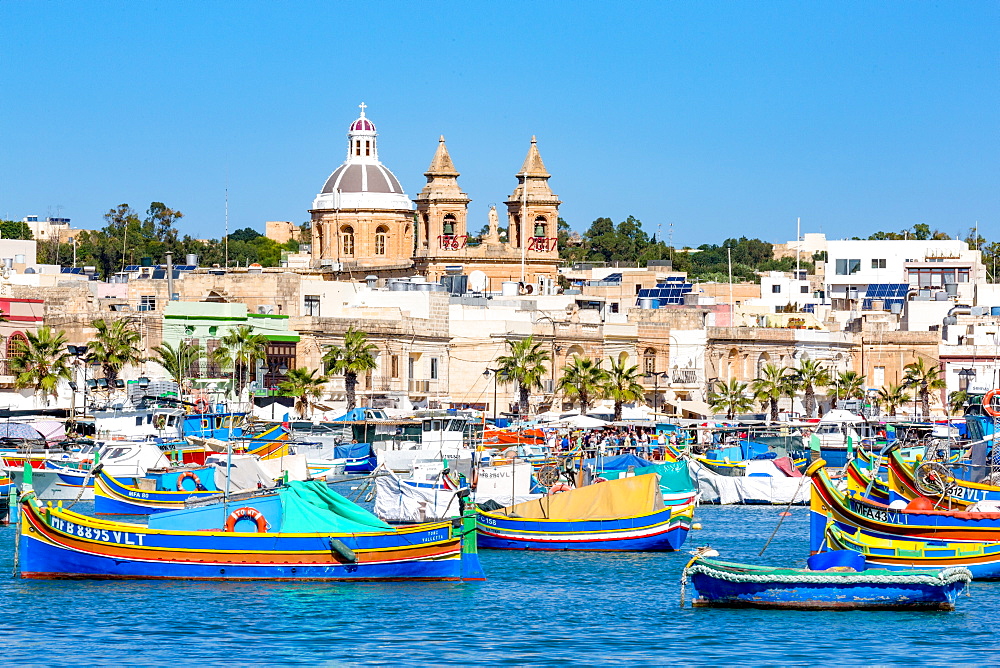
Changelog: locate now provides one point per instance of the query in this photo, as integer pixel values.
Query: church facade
(362, 220)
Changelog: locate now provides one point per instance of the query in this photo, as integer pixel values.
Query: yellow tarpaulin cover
(625, 497)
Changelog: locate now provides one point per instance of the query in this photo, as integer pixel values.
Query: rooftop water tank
(508, 289)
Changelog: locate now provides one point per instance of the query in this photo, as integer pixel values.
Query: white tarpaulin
(395, 501)
(777, 489)
(582, 422)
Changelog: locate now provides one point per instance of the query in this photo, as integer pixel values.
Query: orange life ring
(201, 405)
(988, 400)
(246, 514)
(187, 475)
(559, 487)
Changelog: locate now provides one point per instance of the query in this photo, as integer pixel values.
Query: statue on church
(493, 235)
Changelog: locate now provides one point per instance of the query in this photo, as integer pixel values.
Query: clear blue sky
(725, 119)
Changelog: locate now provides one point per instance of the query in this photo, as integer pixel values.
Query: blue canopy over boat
(617, 463)
(353, 451)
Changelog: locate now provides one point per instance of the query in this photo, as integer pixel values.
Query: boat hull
(722, 594)
(661, 531)
(113, 497)
(64, 545)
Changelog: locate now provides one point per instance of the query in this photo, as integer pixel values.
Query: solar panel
(613, 278)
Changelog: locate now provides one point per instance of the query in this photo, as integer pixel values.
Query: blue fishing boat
(844, 587)
(162, 491)
(300, 532)
(627, 514)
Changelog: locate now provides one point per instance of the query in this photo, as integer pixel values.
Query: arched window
(16, 347)
(347, 240)
(734, 361)
(540, 225)
(649, 360)
(448, 228)
(380, 235)
(762, 361)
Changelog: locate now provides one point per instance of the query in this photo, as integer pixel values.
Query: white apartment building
(925, 268)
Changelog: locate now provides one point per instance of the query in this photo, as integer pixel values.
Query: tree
(849, 385)
(178, 360)
(115, 346)
(924, 379)
(14, 229)
(622, 384)
(240, 349)
(525, 365)
(305, 385)
(41, 362)
(246, 234)
(730, 397)
(956, 401)
(810, 376)
(356, 356)
(891, 398)
(773, 383)
(584, 379)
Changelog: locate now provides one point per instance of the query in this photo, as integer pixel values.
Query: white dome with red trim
(362, 182)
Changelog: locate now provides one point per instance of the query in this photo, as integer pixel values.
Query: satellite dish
(478, 281)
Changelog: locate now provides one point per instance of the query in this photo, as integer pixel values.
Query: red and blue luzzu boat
(300, 532)
(627, 514)
(167, 490)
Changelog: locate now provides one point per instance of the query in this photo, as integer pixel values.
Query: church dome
(362, 182)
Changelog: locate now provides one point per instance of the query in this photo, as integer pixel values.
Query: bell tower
(533, 209)
(442, 208)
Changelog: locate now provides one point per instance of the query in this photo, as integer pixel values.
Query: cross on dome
(362, 124)
(363, 106)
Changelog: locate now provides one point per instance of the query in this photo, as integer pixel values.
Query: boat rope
(698, 554)
(785, 513)
(86, 483)
(945, 577)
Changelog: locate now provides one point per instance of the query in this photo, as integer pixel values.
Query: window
(638, 287)
(935, 277)
(649, 361)
(848, 267)
(147, 303)
(878, 378)
(380, 236)
(878, 264)
(347, 240)
(776, 289)
(434, 368)
(357, 147)
(395, 366)
(368, 148)
(614, 307)
(312, 305)
(804, 289)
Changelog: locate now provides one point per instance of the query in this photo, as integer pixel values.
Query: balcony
(685, 376)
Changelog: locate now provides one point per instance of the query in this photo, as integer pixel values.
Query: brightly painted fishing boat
(936, 482)
(732, 585)
(5, 484)
(864, 481)
(115, 497)
(628, 514)
(302, 532)
(892, 552)
(918, 520)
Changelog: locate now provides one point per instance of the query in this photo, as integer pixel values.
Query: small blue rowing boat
(845, 585)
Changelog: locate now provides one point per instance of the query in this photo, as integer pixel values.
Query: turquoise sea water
(584, 608)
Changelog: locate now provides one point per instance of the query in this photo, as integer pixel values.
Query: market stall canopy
(582, 422)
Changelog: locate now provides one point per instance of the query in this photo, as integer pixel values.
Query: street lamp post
(279, 369)
(487, 373)
(656, 386)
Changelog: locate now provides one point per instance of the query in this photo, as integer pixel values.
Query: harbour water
(584, 608)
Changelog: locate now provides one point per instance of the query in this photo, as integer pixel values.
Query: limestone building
(530, 253)
(362, 219)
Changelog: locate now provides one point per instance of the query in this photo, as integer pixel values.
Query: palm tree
(622, 384)
(731, 397)
(354, 357)
(178, 360)
(525, 365)
(241, 349)
(849, 385)
(891, 398)
(956, 400)
(773, 383)
(809, 376)
(115, 346)
(584, 379)
(41, 362)
(924, 378)
(305, 385)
